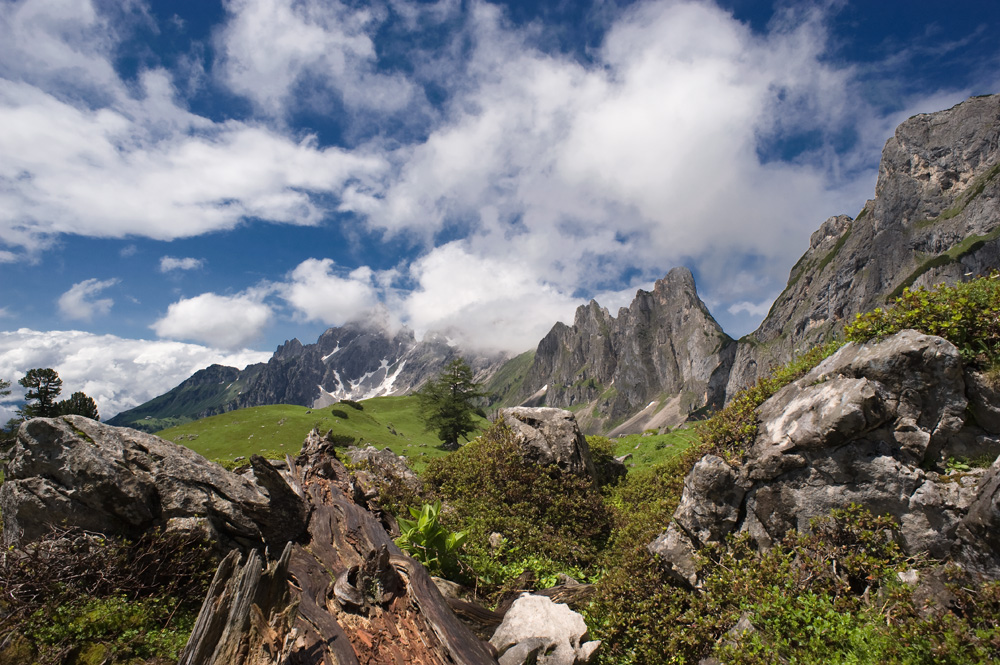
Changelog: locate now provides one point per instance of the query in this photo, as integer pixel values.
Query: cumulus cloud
(483, 303)
(118, 373)
(222, 321)
(319, 292)
(168, 263)
(78, 302)
(119, 159)
(310, 44)
(540, 178)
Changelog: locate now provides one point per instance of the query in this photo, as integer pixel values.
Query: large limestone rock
(537, 630)
(550, 436)
(934, 218)
(872, 425)
(119, 481)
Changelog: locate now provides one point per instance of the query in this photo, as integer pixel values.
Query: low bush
(828, 596)
(966, 314)
(74, 590)
(546, 520)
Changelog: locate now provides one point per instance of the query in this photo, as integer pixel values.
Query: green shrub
(602, 452)
(830, 596)
(118, 626)
(354, 405)
(967, 315)
(339, 413)
(557, 520)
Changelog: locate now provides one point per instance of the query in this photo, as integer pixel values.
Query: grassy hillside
(650, 450)
(210, 389)
(273, 431)
(505, 385)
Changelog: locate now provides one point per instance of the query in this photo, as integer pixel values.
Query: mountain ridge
(934, 217)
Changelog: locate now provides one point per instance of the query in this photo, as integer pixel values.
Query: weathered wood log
(342, 594)
(242, 601)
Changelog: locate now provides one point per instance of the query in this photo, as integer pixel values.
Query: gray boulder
(537, 630)
(118, 481)
(550, 436)
(376, 469)
(871, 425)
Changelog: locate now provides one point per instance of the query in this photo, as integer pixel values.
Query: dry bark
(344, 594)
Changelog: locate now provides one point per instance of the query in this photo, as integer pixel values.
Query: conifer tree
(44, 386)
(450, 401)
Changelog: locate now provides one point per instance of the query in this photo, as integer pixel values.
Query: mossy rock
(89, 654)
(19, 651)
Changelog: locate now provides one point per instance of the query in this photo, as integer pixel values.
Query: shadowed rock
(117, 481)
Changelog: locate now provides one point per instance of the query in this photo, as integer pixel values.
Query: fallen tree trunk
(344, 594)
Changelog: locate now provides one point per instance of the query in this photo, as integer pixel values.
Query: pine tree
(450, 401)
(44, 386)
(79, 404)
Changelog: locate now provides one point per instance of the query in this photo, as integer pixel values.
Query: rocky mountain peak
(664, 350)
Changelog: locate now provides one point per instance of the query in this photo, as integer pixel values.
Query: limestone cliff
(935, 217)
(659, 359)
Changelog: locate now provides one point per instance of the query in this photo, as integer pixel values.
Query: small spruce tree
(450, 401)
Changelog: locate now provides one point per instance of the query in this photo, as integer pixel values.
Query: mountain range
(935, 217)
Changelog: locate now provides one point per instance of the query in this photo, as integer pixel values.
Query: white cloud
(78, 303)
(318, 293)
(168, 263)
(270, 49)
(221, 321)
(647, 159)
(85, 153)
(118, 373)
(759, 309)
(483, 303)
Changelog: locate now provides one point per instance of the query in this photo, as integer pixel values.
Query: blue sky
(194, 181)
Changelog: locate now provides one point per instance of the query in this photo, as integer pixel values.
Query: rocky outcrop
(934, 218)
(78, 472)
(537, 630)
(664, 354)
(872, 425)
(550, 436)
(376, 470)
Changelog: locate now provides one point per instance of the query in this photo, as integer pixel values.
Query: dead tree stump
(343, 594)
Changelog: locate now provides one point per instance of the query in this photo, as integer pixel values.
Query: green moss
(968, 246)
